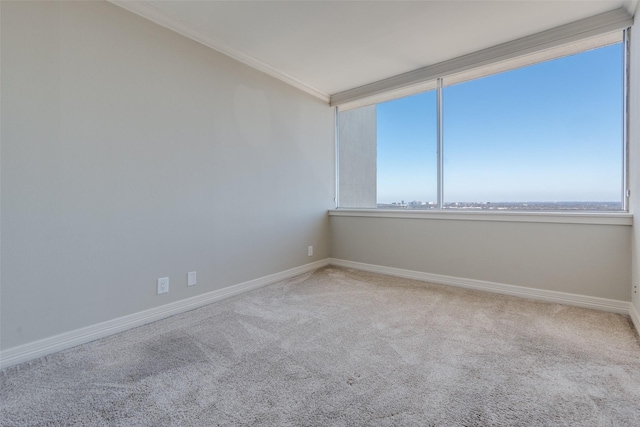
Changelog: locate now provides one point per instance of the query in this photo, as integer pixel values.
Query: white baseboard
(43, 347)
(615, 306)
(635, 317)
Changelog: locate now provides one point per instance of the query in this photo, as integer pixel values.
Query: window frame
(486, 68)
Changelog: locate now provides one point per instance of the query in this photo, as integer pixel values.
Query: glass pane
(407, 152)
(543, 137)
(357, 157)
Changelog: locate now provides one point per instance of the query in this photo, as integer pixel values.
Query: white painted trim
(43, 347)
(162, 18)
(604, 304)
(593, 26)
(608, 218)
(635, 317)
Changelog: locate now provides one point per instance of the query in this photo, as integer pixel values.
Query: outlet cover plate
(191, 278)
(163, 285)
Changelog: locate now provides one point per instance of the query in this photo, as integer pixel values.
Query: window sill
(599, 218)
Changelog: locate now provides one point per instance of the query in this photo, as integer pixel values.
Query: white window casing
(579, 36)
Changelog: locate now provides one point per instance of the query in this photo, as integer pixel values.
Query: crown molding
(160, 17)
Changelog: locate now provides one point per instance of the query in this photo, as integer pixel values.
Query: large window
(547, 136)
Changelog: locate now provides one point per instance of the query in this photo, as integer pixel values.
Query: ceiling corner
(631, 6)
(150, 12)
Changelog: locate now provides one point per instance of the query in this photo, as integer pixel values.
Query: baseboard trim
(26, 352)
(635, 317)
(604, 304)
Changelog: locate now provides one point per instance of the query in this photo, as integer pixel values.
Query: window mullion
(625, 120)
(440, 147)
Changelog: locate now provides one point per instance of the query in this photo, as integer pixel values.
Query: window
(545, 136)
(407, 151)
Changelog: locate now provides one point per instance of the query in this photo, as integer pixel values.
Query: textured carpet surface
(339, 347)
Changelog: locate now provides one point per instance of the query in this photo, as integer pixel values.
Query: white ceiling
(326, 47)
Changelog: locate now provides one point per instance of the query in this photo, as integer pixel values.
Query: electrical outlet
(191, 278)
(310, 250)
(163, 285)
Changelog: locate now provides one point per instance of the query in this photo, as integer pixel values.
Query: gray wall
(357, 133)
(131, 153)
(584, 259)
(634, 157)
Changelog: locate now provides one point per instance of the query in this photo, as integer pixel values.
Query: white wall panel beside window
(357, 157)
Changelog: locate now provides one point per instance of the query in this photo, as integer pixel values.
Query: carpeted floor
(339, 347)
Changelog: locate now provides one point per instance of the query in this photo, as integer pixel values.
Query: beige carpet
(344, 348)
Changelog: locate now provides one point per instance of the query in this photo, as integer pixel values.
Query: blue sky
(548, 132)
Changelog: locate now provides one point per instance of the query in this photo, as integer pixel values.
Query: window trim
(561, 37)
(594, 218)
(626, 78)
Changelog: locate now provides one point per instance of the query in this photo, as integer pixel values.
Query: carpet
(340, 347)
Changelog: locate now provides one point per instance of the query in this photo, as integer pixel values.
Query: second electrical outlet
(163, 285)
